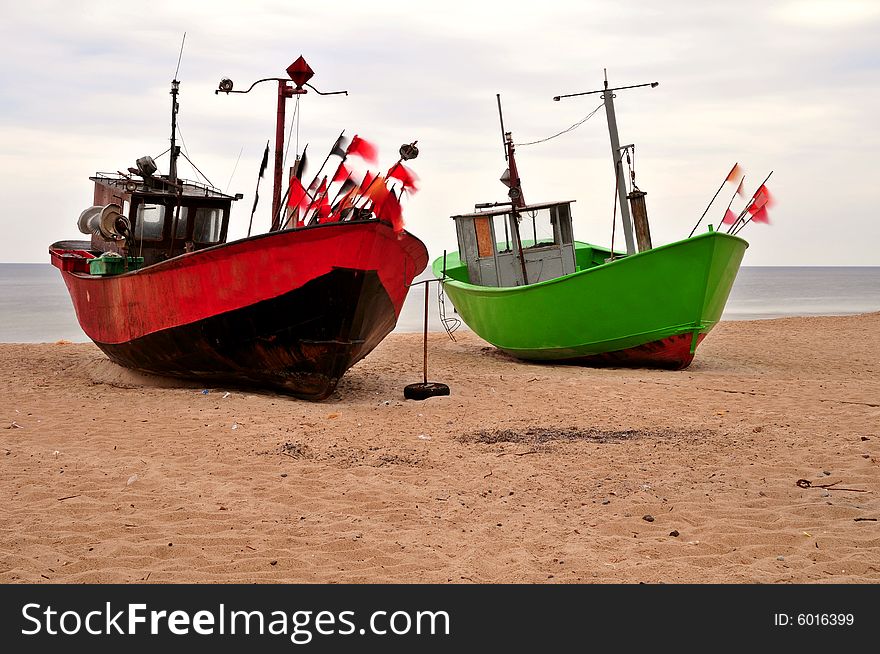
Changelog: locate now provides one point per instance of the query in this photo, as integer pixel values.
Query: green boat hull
(651, 308)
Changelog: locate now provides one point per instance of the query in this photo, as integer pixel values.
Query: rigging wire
(614, 215)
(163, 153)
(631, 165)
(565, 131)
(297, 113)
(186, 156)
(293, 118)
(196, 168)
(234, 168)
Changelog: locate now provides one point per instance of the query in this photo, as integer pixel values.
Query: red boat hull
(673, 353)
(291, 310)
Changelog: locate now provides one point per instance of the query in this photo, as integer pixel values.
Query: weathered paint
(216, 280)
(290, 309)
(673, 353)
(301, 342)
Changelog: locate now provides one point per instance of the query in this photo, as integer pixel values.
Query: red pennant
(762, 199)
(729, 218)
(367, 181)
(342, 173)
(406, 176)
(297, 198)
(392, 212)
(364, 149)
(760, 216)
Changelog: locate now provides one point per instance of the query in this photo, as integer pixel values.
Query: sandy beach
(526, 473)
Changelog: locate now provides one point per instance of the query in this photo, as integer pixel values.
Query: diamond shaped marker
(300, 72)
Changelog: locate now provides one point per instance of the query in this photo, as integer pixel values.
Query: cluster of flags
(355, 194)
(756, 207)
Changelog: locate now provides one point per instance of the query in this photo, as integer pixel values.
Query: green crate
(104, 265)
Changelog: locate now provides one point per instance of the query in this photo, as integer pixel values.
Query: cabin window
(561, 217)
(181, 222)
(537, 228)
(207, 225)
(502, 232)
(150, 221)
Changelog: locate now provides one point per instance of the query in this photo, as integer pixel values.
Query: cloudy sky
(788, 86)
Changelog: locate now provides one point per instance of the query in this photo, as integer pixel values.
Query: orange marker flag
(734, 174)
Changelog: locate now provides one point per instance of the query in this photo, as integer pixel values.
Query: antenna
(175, 89)
(501, 118)
(180, 56)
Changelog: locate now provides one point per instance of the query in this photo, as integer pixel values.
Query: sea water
(35, 306)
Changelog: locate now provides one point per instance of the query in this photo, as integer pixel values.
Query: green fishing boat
(522, 283)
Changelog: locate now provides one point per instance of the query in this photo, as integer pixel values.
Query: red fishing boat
(159, 290)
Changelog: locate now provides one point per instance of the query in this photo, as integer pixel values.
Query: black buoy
(425, 389)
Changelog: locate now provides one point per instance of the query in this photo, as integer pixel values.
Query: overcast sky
(790, 86)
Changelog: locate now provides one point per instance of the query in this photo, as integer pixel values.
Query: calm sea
(35, 307)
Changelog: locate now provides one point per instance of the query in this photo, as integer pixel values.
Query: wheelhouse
(166, 219)
(514, 246)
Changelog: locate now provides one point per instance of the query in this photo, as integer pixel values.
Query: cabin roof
(507, 209)
(160, 185)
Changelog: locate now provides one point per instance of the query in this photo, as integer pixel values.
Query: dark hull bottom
(301, 342)
(672, 353)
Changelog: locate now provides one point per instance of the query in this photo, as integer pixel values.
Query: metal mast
(616, 154)
(299, 72)
(175, 149)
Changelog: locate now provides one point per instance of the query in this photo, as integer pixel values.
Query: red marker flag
(729, 218)
(739, 189)
(391, 211)
(762, 199)
(297, 199)
(364, 149)
(406, 176)
(342, 173)
(367, 181)
(760, 216)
